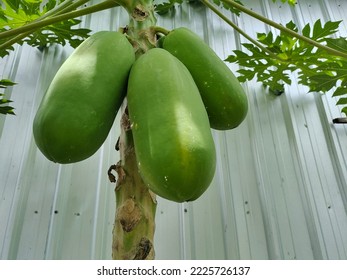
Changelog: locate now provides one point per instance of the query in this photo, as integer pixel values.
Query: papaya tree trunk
(134, 223)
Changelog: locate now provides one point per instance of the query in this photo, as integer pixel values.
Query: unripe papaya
(172, 137)
(224, 98)
(81, 103)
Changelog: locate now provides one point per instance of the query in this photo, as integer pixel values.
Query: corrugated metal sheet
(280, 187)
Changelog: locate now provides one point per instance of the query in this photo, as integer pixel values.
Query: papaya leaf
(339, 43)
(5, 51)
(19, 12)
(59, 33)
(227, 6)
(16, 13)
(316, 68)
(344, 110)
(340, 91)
(4, 110)
(320, 32)
(165, 7)
(4, 83)
(342, 101)
(4, 100)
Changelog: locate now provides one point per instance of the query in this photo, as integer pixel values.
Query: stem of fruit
(162, 30)
(141, 28)
(134, 226)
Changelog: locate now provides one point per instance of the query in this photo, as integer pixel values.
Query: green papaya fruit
(172, 137)
(81, 103)
(224, 98)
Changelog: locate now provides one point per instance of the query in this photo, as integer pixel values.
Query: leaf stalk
(284, 29)
(60, 17)
(239, 30)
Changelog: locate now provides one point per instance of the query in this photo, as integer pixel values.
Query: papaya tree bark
(134, 223)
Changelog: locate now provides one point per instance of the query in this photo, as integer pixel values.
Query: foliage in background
(316, 68)
(4, 108)
(165, 7)
(16, 13)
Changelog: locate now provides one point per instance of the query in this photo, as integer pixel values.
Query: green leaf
(227, 6)
(3, 100)
(322, 82)
(7, 110)
(5, 51)
(317, 69)
(291, 2)
(58, 33)
(246, 75)
(6, 83)
(339, 44)
(165, 7)
(321, 32)
(261, 66)
(170, 5)
(340, 91)
(306, 31)
(342, 101)
(18, 13)
(14, 4)
(15, 13)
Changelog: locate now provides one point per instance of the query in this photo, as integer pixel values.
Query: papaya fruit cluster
(176, 93)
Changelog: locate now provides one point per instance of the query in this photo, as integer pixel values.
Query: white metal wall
(280, 187)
